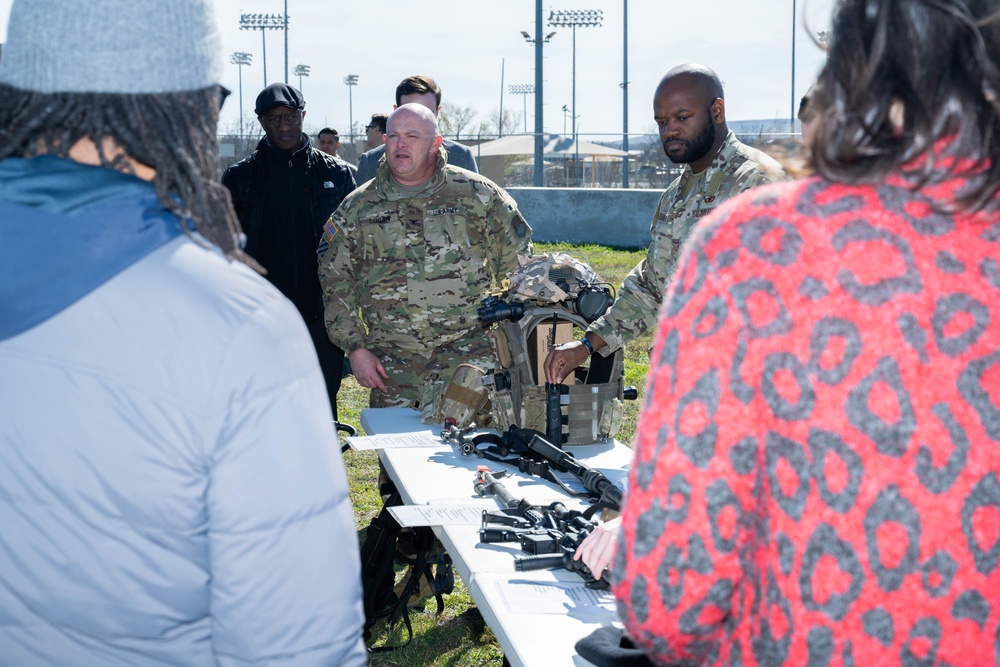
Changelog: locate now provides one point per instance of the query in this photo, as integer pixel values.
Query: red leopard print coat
(816, 472)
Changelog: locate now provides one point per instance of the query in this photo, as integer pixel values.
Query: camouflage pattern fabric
(402, 274)
(416, 378)
(550, 278)
(460, 395)
(735, 169)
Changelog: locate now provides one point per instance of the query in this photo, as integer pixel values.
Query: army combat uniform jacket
(417, 265)
(736, 168)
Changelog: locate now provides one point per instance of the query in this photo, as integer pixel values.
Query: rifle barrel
(592, 480)
(489, 484)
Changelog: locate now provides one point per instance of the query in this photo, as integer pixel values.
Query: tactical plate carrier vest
(551, 300)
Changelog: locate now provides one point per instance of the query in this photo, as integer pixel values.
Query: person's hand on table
(367, 369)
(598, 549)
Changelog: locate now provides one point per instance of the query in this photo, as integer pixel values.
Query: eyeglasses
(292, 119)
(371, 127)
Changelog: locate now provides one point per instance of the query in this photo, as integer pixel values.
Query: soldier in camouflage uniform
(414, 250)
(690, 114)
(691, 118)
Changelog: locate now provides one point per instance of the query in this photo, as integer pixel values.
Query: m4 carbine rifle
(534, 455)
(550, 534)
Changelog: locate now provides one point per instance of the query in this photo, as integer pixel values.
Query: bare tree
(454, 118)
(511, 123)
(233, 146)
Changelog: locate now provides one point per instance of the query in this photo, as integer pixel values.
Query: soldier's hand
(598, 549)
(367, 369)
(564, 358)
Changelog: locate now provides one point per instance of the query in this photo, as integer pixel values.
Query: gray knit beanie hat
(111, 46)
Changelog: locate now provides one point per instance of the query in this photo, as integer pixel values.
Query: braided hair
(174, 133)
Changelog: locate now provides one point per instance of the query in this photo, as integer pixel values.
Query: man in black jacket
(283, 194)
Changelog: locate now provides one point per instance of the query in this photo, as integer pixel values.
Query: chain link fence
(648, 166)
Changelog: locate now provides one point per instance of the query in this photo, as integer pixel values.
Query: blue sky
(475, 50)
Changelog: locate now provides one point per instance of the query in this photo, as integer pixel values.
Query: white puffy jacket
(171, 487)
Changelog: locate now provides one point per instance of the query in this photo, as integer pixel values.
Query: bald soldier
(414, 250)
(690, 115)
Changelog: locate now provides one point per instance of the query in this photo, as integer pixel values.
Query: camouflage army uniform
(736, 168)
(416, 266)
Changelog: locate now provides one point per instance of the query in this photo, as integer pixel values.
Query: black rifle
(534, 455)
(593, 480)
(516, 513)
(550, 534)
(564, 546)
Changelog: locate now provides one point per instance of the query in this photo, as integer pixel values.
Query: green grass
(459, 637)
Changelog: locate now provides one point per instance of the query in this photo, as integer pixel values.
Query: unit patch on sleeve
(330, 230)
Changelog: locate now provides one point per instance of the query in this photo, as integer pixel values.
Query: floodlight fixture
(301, 71)
(350, 81)
(524, 89)
(575, 18)
(241, 58)
(263, 22)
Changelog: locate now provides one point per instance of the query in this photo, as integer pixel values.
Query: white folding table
(441, 475)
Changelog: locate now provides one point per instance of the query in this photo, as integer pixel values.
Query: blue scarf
(66, 229)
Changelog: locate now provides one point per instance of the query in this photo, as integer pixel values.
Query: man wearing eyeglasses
(283, 194)
(375, 131)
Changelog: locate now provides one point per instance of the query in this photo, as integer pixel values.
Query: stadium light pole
(625, 94)
(538, 41)
(301, 71)
(262, 22)
(575, 18)
(350, 81)
(285, 28)
(523, 89)
(241, 58)
(791, 116)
